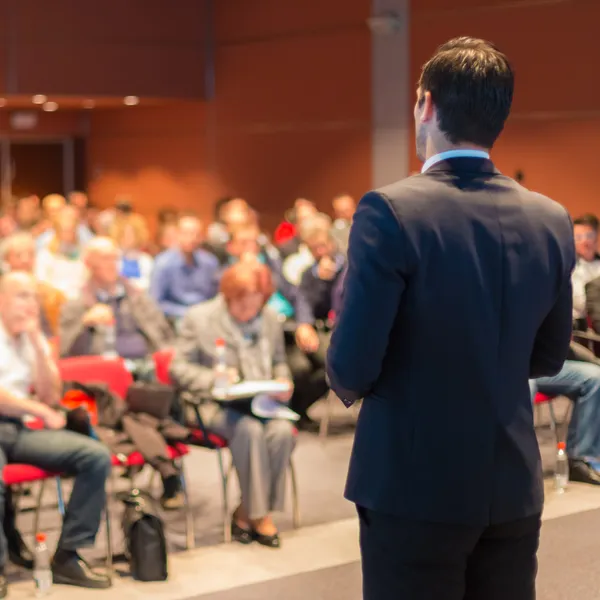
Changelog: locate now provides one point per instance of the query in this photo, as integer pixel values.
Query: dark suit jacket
(458, 291)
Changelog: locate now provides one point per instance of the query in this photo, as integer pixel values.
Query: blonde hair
(13, 241)
(137, 224)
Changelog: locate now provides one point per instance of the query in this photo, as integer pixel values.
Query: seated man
(585, 230)
(580, 382)
(185, 275)
(140, 328)
(318, 288)
(25, 364)
(18, 254)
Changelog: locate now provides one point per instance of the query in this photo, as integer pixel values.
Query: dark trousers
(411, 560)
(61, 452)
(308, 373)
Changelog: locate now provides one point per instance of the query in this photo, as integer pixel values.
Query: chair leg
(224, 481)
(295, 498)
(553, 422)
(38, 507)
(109, 553)
(324, 424)
(190, 532)
(61, 498)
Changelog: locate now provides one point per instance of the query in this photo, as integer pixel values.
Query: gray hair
(13, 241)
(319, 223)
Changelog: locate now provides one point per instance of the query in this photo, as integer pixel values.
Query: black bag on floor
(145, 540)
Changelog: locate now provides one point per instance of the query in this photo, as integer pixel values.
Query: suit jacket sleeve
(592, 303)
(74, 336)
(374, 284)
(554, 335)
(191, 368)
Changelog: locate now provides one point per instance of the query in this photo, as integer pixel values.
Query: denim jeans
(68, 453)
(580, 382)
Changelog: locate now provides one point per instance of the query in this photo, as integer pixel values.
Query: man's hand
(307, 338)
(327, 268)
(53, 419)
(284, 396)
(99, 314)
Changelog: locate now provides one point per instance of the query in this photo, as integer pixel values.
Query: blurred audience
(18, 254)
(314, 226)
(186, 274)
(580, 382)
(109, 300)
(130, 234)
(25, 365)
(230, 212)
(59, 261)
(53, 207)
(588, 264)
(344, 208)
(253, 336)
(28, 213)
(286, 234)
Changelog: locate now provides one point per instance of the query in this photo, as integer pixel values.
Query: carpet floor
(568, 559)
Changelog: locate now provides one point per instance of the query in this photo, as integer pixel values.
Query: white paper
(265, 407)
(249, 389)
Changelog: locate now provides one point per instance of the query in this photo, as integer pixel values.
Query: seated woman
(253, 336)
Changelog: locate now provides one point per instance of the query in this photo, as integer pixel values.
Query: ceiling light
(50, 106)
(39, 99)
(131, 100)
(89, 103)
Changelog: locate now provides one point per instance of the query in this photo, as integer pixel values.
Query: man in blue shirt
(185, 275)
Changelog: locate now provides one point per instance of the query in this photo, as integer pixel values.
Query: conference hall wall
(553, 136)
(291, 116)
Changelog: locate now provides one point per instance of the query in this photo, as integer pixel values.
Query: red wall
(291, 116)
(553, 135)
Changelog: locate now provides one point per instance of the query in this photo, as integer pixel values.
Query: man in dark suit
(457, 292)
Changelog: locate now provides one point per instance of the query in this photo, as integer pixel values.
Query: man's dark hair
(588, 219)
(471, 84)
(220, 204)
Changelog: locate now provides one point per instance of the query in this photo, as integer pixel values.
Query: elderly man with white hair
(18, 253)
(26, 364)
(111, 316)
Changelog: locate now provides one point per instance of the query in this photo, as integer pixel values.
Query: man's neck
(439, 146)
(188, 257)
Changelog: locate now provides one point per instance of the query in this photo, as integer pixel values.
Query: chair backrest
(162, 362)
(95, 369)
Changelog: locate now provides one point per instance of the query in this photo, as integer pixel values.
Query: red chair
(113, 372)
(17, 475)
(94, 369)
(544, 399)
(201, 437)
(162, 362)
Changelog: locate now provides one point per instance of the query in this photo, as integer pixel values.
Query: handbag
(154, 399)
(144, 534)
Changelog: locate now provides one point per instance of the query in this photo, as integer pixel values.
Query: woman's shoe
(270, 541)
(241, 535)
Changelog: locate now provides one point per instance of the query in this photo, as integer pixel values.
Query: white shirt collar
(453, 154)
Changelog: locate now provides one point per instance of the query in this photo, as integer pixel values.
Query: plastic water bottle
(561, 474)
(110, 340)
(42, 574)
(221, 383)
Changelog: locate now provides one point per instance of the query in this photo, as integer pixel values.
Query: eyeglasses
(589, 236)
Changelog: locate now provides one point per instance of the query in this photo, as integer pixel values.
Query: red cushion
(135, 459)
(197, 439)
(541, 398)
(93, 369)
(16, 474)
(162, 362)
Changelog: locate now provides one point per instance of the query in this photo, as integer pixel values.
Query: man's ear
(427, 108)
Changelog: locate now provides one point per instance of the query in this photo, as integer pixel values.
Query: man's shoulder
(206, 259)
(204, 311)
